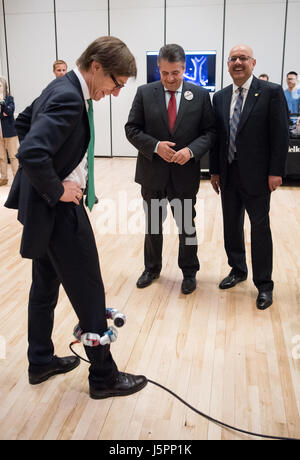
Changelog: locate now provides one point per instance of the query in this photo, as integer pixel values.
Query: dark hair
(171, 53)
(264, 75)
(112, 54)
(292, 73)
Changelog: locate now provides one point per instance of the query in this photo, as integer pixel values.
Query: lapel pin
(256, 94)
(188, 95)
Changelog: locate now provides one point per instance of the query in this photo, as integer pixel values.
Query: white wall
(78, 24)
(140, 24)
(31, 47)
(201, 27)
(292, 55)
(3, 67)
(194, 24)
(261, 25)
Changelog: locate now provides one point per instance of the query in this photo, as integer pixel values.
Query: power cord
(210, 419)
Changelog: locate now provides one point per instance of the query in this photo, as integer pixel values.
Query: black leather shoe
(264, 300)
(146, 279)
(188, 285)
(39, 374)
(231, 280)
(125, 384)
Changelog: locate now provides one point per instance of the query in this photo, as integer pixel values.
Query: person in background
(60, 68)
(9, 141)
(292, 93)
(264, 76)
(247, 164)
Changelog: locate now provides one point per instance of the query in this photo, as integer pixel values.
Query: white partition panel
(292, 55)
(259, 24)
(140, 24)
(31, 48)
(197, 25)
(78, 24)
(3, 64)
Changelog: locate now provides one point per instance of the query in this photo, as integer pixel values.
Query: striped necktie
(91, 186)
(234, 123)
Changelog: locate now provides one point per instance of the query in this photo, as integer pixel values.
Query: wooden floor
(213, 348)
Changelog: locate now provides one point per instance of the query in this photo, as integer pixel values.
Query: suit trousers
(71, 260)
(235, 201)
(183, 210)
(11, 145)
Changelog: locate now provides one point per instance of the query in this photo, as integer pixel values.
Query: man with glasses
(55, 133)
(171, 124)
(292, 95)
(247, 164)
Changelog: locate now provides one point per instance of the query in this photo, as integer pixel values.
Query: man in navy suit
(47, 191)
(171, 123)
(247, 164)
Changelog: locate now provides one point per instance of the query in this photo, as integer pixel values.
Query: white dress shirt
(79, 174)
(177, 96)
(178, 99)
(235, 93)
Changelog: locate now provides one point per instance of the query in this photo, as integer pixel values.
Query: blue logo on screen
(196, 70)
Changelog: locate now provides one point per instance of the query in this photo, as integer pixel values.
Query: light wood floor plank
(213, 348)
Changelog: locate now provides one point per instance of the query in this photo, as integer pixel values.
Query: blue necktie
(234, 123)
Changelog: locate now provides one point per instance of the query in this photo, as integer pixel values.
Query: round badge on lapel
(188, 95)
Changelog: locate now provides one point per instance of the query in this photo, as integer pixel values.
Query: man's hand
(165, 151)
(274, 182)
(72, 193)
(215, 182)
(182, 156)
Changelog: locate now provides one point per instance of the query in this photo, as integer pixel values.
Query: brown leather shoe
(3, 182)
(124, 385)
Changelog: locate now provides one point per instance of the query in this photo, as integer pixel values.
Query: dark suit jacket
(262, 137)
(148, 123)
(54, 134)
(8, 122)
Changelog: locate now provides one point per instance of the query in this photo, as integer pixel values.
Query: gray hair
(171, 53)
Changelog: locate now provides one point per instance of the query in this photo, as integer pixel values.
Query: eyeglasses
(241, 58)
(118, 85)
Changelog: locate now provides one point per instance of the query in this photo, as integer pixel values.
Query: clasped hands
(166, 152)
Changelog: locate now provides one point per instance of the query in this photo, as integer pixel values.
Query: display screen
(200, 68)
(294, 125)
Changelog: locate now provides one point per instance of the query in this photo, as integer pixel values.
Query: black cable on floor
(210, 419)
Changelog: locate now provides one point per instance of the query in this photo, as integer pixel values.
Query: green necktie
(91, 186)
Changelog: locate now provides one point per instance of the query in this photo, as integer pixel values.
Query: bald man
(247, 165)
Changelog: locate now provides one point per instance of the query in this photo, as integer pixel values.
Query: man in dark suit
(171, 124)
(247, 163)
(55, 134)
